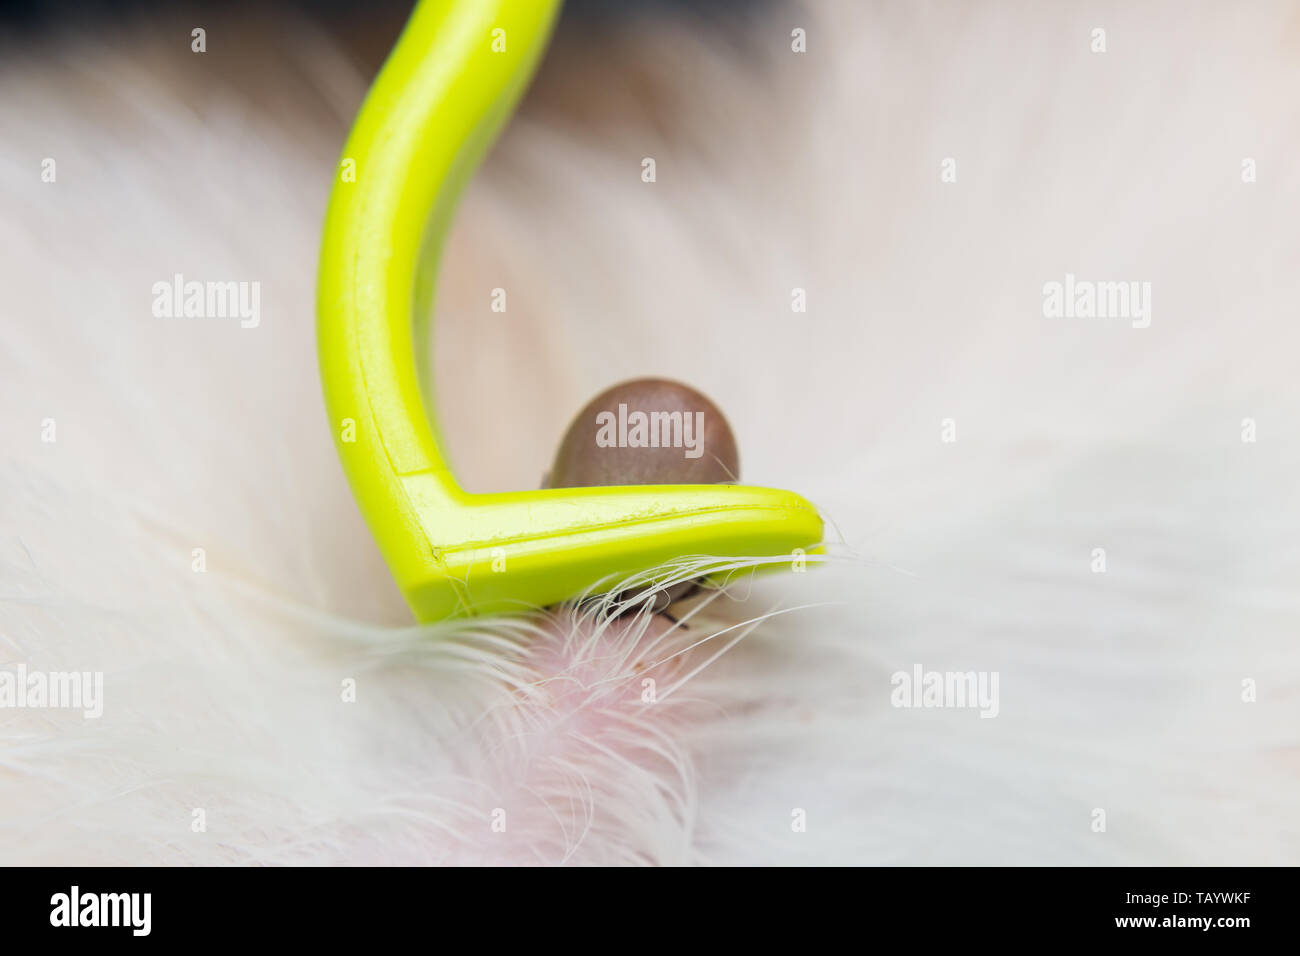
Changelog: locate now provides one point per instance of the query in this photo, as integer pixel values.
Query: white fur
(1119, 691)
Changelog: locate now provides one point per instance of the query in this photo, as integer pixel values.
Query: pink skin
(591, 711)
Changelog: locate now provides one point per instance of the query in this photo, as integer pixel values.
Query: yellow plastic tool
(449, 85)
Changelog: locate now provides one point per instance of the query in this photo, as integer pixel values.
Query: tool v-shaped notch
(447, 88)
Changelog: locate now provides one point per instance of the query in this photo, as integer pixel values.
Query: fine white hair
(1103, 515)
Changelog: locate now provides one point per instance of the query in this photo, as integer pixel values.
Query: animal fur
(1120, 691)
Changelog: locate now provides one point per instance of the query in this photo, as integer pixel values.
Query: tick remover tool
(448, 87)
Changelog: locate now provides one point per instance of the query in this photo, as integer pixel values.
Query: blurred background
(970, 453)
